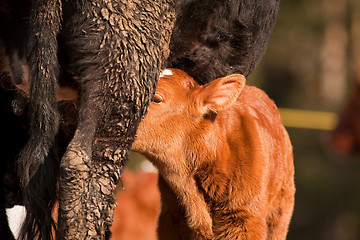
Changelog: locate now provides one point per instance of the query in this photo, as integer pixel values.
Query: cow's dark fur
(228, 35)
(28, 26)
(113, 51)
(13, 137)
(37, 162)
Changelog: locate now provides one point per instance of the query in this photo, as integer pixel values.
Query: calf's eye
(156, 99)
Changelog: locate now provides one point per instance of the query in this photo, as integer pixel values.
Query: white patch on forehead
(166, 72)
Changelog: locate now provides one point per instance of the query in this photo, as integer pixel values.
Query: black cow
(111, 51)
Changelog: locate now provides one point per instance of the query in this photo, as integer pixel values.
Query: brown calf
(138, 207)
(224, 158)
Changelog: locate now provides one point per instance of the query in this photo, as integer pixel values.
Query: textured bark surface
(116, 50)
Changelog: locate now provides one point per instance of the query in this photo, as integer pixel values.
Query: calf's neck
(224, 158)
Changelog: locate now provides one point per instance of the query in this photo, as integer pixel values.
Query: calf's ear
(221, 93)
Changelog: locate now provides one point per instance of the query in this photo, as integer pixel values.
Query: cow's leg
(87, 180)
(117, 55)
(87, 199)
(91, 167)
(76, 186)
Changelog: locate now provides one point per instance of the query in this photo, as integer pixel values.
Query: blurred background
(311, 65)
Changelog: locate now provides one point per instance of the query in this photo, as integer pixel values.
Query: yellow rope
(308, 119)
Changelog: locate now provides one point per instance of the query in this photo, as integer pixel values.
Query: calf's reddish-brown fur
(138, 207)
(224, 158)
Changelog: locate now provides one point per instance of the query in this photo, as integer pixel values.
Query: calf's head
(181, 107)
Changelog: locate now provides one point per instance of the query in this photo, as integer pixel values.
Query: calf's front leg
(196, 211)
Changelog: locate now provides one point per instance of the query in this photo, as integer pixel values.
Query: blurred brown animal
(224, 158)
(345, 138)
(138, 207)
